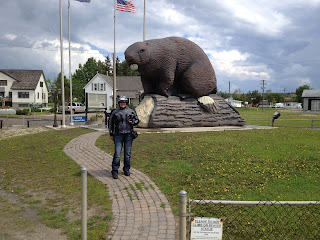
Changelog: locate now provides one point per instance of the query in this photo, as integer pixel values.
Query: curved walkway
(140, 210)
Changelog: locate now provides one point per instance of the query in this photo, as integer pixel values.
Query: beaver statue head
(137, 54)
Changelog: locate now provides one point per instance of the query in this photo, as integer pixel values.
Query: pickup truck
(76, 108)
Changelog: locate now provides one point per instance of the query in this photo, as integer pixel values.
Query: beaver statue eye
(142, 50)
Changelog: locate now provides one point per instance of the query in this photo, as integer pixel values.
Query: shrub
(22, 111)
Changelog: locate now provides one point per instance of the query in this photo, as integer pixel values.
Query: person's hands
(131, 122)
(111, 137)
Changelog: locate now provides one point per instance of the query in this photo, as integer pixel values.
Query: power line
(44, 49)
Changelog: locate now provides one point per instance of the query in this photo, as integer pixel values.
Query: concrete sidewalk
(139, 212)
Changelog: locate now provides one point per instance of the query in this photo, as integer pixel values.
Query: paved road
(140, 209)
(38, 120)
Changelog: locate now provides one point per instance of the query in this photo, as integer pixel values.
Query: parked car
(76, 108)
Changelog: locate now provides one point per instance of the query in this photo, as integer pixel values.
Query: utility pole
(284, 96)
(229, 93)
(263, 82)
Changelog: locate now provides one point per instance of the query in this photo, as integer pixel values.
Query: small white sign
(206, 228)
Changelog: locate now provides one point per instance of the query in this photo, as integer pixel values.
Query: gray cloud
(246, 41)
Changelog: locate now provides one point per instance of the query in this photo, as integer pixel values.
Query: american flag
(125, 6)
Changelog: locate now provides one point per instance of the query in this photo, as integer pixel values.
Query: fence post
(312, 124)
(84, 204)
(7, 122)
(182, 214)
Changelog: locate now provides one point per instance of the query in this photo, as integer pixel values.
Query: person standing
(121, 122)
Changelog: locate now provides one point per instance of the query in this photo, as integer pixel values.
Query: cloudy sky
(246, 40)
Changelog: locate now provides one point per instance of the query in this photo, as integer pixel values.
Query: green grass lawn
(273, 164)
(35, 168)
(276, 164)
(281, 164)
(288, 118)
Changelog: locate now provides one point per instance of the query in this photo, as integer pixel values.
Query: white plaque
(206, 228)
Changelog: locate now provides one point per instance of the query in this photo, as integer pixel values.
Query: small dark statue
(172, 66)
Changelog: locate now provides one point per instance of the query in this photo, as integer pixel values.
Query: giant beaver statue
(172, 66)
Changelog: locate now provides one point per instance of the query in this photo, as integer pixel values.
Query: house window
(38, 95)
(95, 87)
(101, 87)
(23, 94)
(41, 84)
(43, 96)
(3, 82)
(23, 105)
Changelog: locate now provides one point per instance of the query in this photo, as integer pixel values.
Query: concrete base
(156, 111)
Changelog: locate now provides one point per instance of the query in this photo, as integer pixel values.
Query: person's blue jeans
(121, 140)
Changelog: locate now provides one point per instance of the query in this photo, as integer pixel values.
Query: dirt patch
(13, 132)
(19, 221)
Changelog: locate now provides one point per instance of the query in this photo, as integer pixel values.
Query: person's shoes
(115, 176)
(127, 174)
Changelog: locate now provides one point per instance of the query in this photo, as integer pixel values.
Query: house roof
(26, 79)
(126, 85)
(311, 93)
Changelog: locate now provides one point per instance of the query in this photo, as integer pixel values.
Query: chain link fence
(265, 220)
(294, 123)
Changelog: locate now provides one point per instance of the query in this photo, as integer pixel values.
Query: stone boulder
(156, 111)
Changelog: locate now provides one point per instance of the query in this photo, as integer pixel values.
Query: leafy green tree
(274, 97)
(124, 70)
(87, 71)
(256, 97)
(83, 75)
(299, 92)
(236, 95)
(56, 84)
(108, 64)
(223, 94)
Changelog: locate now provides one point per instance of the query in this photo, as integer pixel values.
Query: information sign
(206, 228)
(78, 118)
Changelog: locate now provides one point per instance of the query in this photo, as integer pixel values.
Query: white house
(20, 88)
(99, 90)
(292, 104)
(234, 103)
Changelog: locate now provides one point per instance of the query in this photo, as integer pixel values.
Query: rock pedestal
(156, 111)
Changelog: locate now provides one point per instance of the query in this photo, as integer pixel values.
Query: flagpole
(144, 21)
(114, 60)
(70, 77)
(62, 74)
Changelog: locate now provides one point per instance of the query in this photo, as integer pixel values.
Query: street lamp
(55, 90)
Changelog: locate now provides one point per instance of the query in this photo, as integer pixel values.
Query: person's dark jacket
(119, 120)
